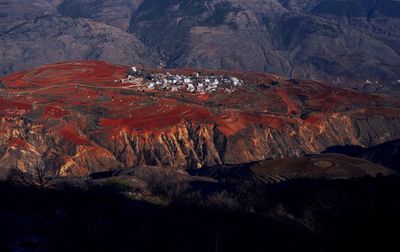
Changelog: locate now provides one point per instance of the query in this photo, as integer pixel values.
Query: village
(196, 82)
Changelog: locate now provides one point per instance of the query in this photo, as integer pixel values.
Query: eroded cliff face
(76, 130)
(195, 146)
(185, 145)
(24, 144)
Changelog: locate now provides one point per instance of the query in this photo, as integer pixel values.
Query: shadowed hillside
(314, 215)
(387, 154)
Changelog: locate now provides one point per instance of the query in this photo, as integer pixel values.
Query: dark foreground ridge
(301, 215)
(386, 154)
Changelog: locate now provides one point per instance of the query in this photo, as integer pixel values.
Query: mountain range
(334, 41)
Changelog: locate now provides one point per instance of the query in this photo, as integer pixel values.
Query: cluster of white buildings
(196, 82)
(370, 82)
(377, 82)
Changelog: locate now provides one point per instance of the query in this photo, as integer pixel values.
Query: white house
(236, 81)
(191, 87)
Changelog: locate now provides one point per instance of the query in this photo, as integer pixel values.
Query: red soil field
(84, 94)
(69, 134)
(85, 72)
(8, 107)
(161, 115)
(18, 143)
(54, 112)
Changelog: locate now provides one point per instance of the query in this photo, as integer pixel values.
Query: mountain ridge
(290, 38)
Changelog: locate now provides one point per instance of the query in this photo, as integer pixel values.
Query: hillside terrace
(196, 82)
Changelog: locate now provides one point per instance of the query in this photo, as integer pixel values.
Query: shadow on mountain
(386, 154)
(303, 214)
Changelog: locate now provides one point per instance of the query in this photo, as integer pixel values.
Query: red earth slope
(77, 119)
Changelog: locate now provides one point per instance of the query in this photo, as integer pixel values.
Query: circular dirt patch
(325, 164)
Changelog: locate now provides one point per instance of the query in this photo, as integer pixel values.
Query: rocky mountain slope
(116, 13)
(75, 118)
(265, 36)
(319, 39)
(35, 34)
(376, 16)
(52, 39)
